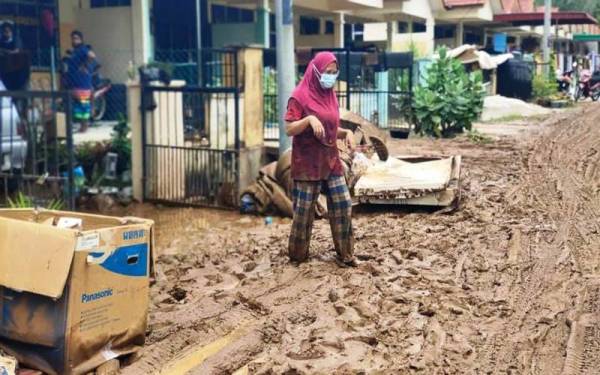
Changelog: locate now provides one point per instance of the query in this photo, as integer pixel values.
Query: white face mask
(326, 80)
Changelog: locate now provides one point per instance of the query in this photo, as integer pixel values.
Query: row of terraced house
(203, 137)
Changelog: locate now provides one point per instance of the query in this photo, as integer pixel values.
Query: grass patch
(478, 138)
(504, 119)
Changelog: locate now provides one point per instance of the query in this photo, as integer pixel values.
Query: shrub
(23, 201)
(449, 101)
(121, 144)
(89, 154)
(478, 138)
(544, 88)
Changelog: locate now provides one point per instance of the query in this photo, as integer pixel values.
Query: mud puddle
(175, 226)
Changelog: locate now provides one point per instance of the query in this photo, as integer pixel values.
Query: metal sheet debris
(411, 180)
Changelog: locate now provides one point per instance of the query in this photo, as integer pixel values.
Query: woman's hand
(316, 126)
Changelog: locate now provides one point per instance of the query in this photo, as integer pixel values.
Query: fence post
(136, 115)
(199, 40)
(347, 51)
(144, 139)
(70, 151)
(236, 99)
(410, 76)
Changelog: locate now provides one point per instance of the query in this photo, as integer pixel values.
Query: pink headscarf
(309, 92)
(316, 100)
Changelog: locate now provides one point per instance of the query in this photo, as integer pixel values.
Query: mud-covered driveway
(505, 285)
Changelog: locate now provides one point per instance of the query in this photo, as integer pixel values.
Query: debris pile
(499, 107)
(272, 191)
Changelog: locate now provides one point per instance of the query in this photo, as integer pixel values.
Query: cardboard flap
(35, 258)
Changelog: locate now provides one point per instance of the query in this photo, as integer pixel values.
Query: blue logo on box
(129, 260)
(133, 235)
(85, 298)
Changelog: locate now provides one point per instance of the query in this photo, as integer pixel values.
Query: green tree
(590, 6)
(449, 101)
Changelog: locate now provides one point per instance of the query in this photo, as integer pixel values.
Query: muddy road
(507, 284)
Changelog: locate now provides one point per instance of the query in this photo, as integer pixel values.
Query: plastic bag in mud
(360, 164)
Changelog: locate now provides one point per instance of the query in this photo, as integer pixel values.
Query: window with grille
(310, 25)
(225, 14)
(27, 18)
(109, 3)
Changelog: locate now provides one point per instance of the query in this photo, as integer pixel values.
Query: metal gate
(191, 138)
(270, 113)
(36, 149)
(376, 85)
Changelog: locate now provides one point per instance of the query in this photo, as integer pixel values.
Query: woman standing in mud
(312, 119)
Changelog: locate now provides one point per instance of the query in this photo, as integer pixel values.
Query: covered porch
(463, 22)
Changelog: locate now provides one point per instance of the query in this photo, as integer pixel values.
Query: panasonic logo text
(85, 298)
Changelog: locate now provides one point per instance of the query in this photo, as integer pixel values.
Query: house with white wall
(423, 25)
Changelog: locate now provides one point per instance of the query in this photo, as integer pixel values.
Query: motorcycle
(564, 81)
(101, 86)
(588, 86)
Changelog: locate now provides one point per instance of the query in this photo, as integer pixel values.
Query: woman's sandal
(346, 263)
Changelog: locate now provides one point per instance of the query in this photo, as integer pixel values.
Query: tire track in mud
(488, 289)
(583, 347)
(581, 192)
(561, 247)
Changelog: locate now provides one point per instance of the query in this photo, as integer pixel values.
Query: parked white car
(13, 149)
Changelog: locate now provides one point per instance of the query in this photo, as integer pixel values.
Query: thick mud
(506, 284)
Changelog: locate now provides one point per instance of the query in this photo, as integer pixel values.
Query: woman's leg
(305, 196)
(339, 206)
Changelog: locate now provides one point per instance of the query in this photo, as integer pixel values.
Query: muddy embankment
(505, 284)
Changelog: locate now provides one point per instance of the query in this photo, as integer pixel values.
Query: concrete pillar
(485, 38)
(430, 36)
(338, 30)
(140, 23)
(460, 34)
(546, 40)
(68, 18)
(286, 67)
(134, 115)
(262, 23)
(392, 29)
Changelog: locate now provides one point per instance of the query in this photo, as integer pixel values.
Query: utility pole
(284, 22)
(546, 40)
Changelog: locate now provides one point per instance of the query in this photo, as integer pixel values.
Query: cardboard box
(72, 299)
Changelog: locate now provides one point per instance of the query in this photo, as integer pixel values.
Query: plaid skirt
(339, 206)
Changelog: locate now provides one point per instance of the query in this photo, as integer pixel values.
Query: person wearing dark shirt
(78, 78)
(8, 40)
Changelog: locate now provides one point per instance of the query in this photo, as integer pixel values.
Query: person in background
(313, 119)
(9, 42)
(78, 79)
(17, 77)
